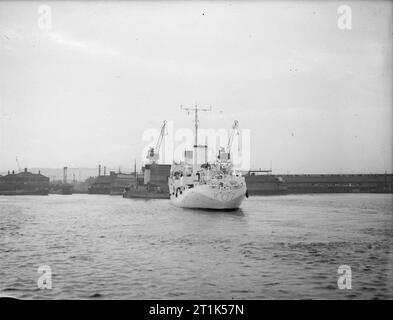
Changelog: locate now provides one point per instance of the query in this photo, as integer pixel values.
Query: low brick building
(102, 184)
(24, 183)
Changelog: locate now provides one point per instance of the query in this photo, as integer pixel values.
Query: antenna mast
(195, 109)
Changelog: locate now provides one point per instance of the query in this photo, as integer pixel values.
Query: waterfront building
(24, 183)
(102, 184)
(258, 183)
(121, 182)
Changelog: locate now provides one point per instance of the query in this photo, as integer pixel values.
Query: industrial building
(156, 176)
(24, 183)
(102, 184)
(62, 187)
(121, 182)
(259, 183)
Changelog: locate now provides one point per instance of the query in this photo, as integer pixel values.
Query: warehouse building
(24, 183)
(318, 183)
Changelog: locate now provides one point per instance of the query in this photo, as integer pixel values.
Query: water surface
(279, 247)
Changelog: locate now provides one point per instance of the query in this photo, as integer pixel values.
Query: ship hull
(145, 195)
(209, 197)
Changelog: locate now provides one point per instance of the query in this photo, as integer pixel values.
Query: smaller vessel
(144, 192)
(152, 183)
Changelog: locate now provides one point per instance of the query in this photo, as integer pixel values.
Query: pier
(259, 183)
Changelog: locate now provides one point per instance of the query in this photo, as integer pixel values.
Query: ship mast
(196, 109)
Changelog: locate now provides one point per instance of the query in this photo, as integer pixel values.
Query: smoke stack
(99, 170)
(65, 175)
(104, 171)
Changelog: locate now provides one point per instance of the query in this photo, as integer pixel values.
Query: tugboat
(214, 186)
(153, 183)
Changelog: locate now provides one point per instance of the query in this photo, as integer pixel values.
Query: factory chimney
(104, 171)
(99, 170)
(65, 175)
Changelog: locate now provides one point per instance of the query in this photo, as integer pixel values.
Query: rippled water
(281, 247)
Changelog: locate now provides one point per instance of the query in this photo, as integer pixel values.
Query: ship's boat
(144, 192)
(209, 185)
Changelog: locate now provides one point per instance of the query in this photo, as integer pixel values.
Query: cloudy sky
(316, 98)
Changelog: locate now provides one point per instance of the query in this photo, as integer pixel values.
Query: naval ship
(215, 185)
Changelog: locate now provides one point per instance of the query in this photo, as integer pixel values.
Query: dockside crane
(225, 153)
(235, 131)
(153, 153)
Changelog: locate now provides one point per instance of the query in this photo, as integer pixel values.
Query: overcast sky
(316, 99)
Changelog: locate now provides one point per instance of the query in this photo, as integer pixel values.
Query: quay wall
(319, 183)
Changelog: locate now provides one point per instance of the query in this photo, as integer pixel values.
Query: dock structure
(263, 184)
(102, 184)
(122, 181)
(156, 176)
